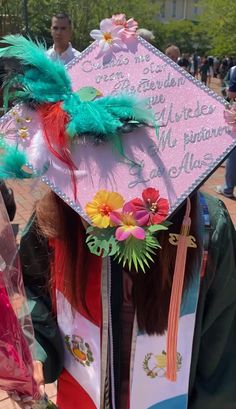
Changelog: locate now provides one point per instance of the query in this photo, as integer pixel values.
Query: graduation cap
(123, 122)
(123, 136)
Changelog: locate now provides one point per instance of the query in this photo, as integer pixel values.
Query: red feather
(54, 120)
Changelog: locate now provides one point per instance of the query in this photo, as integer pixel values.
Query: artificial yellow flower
(101, 206)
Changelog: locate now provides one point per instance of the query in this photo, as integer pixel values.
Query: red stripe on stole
(93, 292)
(71, 395)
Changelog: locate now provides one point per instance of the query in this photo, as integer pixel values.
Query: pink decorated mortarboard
(174, 153)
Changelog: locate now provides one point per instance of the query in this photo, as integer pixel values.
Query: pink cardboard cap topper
(192, 139)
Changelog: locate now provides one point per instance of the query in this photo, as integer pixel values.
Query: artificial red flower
(153, 209)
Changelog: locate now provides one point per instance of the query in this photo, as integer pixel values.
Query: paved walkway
(26, 192)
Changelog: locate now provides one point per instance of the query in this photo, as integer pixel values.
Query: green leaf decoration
(133, 252)
(101, 234)
(137, 253)
(101, 242)
(157, 227)
(89, 229)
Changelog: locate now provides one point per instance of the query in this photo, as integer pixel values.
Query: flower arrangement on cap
(128, 230)
(115, 34)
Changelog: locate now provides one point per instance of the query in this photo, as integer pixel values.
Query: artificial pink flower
(152, 209)
(109, 36)
(128, 223)
(130, 26)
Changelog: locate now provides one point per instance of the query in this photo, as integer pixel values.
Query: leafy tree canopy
(187, 35)
(218, 20)
(215, 33)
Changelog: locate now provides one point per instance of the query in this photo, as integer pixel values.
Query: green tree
(187, 35)
(218, 20)
(180, 33)
(88, 14)
(10, 16)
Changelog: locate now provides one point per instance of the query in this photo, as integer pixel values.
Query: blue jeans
(230, 173)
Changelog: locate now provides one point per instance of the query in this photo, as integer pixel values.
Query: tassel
(176, 296)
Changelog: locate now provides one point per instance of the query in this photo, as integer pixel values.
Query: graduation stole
(150, 387)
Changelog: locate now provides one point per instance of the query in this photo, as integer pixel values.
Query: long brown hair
(151, 291)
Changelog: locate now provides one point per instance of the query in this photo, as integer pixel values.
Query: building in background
(179, 10)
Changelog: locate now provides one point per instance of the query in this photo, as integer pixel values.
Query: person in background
(229, 82)
(223, 69)
(210, 72)
(195, 64)
(8, 198)
(227, 189)
(231, 79)
(184, 62)
(204, 67)
(173, 52)
(216, 66)
(146, 34)
(61, 31)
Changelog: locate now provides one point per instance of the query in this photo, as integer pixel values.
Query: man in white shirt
(61, 32)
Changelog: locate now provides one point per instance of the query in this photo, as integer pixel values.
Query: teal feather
(11, 163)
(42, 80)
(105, 116)
(45, 81)
(126, 107)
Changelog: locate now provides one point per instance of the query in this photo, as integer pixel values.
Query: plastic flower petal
(128, 223)
(130, 26)
(123, 232)
(119, 19)
(150, 195)
(152, 209)
(109, 35)
(100, 208)
(161, 212)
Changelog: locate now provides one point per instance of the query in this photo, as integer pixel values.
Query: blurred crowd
(207, 67)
